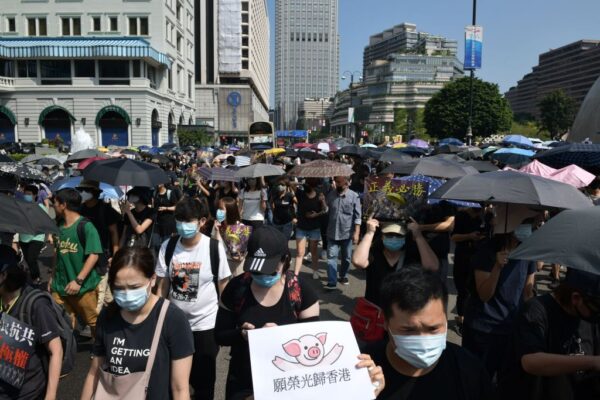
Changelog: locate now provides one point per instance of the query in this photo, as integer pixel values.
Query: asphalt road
(335, 305)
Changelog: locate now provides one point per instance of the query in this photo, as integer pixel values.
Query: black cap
(8, 258)
(266, 247)
(585, 282)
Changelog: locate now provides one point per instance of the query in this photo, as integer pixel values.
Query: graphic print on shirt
(185, 280)
(122, 357)
(66, 246)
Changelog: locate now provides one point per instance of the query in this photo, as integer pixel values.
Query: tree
(557, 112)
(447, 112)
(194, 137)
(400, 121)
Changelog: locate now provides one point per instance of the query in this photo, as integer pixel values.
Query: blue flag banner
(473, 47)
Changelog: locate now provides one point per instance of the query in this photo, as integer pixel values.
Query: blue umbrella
(413, 151)
(581, 154)
(517, 140)
(108, 191)
(513, 156)
(452, 141)
(144, 148)
(435, 184)
(155, 150)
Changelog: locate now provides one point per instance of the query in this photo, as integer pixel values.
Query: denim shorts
(313, 234)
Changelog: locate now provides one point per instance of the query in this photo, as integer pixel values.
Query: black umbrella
(450, 157)
(125, 172)
(482, 166)
(586, 156)
(48, 161)
(23, 171)
(394, 156)
(352, 150)
(514, 188)
(569, 239)
(448, 149)
(159, 159)
(288, 153)
(18, 216)
(308, 154)
(218, 174)
(84, 155)
(4, 158)
(432, 166)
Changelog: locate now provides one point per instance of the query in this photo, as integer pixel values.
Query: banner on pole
(473, 47)
(351, 115)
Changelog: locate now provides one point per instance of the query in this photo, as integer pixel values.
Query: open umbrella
(108, 191)
(31, 158)
(449, 157)
(321, 169)
(218, 174)
(517, 140)
(301, 145)
(394, 156)
(160, 159)
(584, 155)
(451, 141)
(432, 166)
(258, 170)
(84, 155)
(275, 151)
(309, 154)
(448, 149)
(514, 188)
(352, 150)
(242, 161)
(482, 166)
(413, 151)
(471, 153)
(419, 143)
(126, 172)
(375, 154)
(83, 164)
(19, 216)
(4, 158)
(23, 171)
(569, 239)
(324, 147)
(368, 146)
(433, 185)
(513, 156)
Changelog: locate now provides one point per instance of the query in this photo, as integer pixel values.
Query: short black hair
(411, 289)
(231, 160)
(70, 197)
(188, 209)
(31, 188)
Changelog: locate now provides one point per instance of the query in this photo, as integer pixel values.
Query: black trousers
(490, 348)
(31, 252)
(461, 273)
(204, 365)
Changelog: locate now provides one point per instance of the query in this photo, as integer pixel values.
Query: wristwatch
(79, 281)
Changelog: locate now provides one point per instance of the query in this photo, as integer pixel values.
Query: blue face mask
(220, 215)
(131, 300)
(420, 351)
(186, 230)
(523, 232)
(28, 198)
(393, 243)
(266, 281)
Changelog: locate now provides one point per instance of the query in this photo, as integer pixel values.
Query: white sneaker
(316, 275)
(308, 257)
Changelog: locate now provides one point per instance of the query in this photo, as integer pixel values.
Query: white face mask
(133, 199)
(420, 351)
(85, 196)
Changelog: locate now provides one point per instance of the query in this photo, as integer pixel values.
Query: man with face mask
(31, 245)
(417, 361)
(551, 330)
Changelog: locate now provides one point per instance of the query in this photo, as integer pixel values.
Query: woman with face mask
(139, 218)
(126, 348)
(229, 230)
(253, 202)
(283, 207)
(193, 271)
(31, 245)
(225, 189)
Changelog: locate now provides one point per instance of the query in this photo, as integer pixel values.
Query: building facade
(573, 68)
(315, 113)
(306, 55)
(121, 70)
(232, 66)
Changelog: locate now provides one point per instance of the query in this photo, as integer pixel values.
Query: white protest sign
(307, 361)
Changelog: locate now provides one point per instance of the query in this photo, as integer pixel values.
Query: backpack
(215, 259)
(102, 263)
(67, 337)
(293, 290)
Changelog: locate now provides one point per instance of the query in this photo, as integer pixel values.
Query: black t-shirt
(306, 205)
(165, 219)
(544, 327)
(458, 375)
(379, 268)
(252, 312)
(284, 209)
(46, 328)
(126, 347)
(465, 224)
(140, 217)
(102, 216)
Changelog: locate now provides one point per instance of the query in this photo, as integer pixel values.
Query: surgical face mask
(85, 196)
(28, 198)
(133, 199)
(523, 232)
(420, 351)
(187, 230)
(266, 281)
(131, 300)
(281, 188)
(393, 243)
(221, 215)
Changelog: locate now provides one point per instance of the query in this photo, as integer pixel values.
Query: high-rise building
(306, 55)
(573, 68)
(121, 70)
(232, 65)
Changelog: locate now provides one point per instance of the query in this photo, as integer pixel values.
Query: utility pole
(470, 127)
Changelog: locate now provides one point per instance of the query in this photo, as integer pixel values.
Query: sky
(515, 32)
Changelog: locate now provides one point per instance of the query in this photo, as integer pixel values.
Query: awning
(49, 109)
(27, 48)
(116, 109)
(9, 114)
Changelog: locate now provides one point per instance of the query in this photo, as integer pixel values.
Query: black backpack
(215, 259)
(63, 320)
(102, 263)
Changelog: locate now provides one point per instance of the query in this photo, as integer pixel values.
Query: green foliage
(194, 137)
(18, 156)
(400, 121)
(447, 112)
(529, 129)
(557, 112)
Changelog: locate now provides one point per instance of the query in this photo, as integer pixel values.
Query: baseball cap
(394, 228)
(266, 247)
(587, 283)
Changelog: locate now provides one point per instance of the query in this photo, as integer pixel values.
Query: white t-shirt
(191, 280)
(251, 207)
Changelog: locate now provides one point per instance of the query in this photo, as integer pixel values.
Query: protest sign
(307, 361)
(390, 199)
(17, 344)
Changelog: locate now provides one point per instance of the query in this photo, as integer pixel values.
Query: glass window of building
(11, 24)
(113, 24)
(55, 72)
(96, 24)
(27, 68)
(71, 26)
(7, 68)
(137, 68)
(144, 26)
(36, 26)
(85, 69)
(113, 72)
(170, 79)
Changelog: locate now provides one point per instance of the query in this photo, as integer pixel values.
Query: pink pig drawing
(309, 351)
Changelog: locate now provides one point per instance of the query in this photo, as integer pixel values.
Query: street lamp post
(470, 127)
(344, 76)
